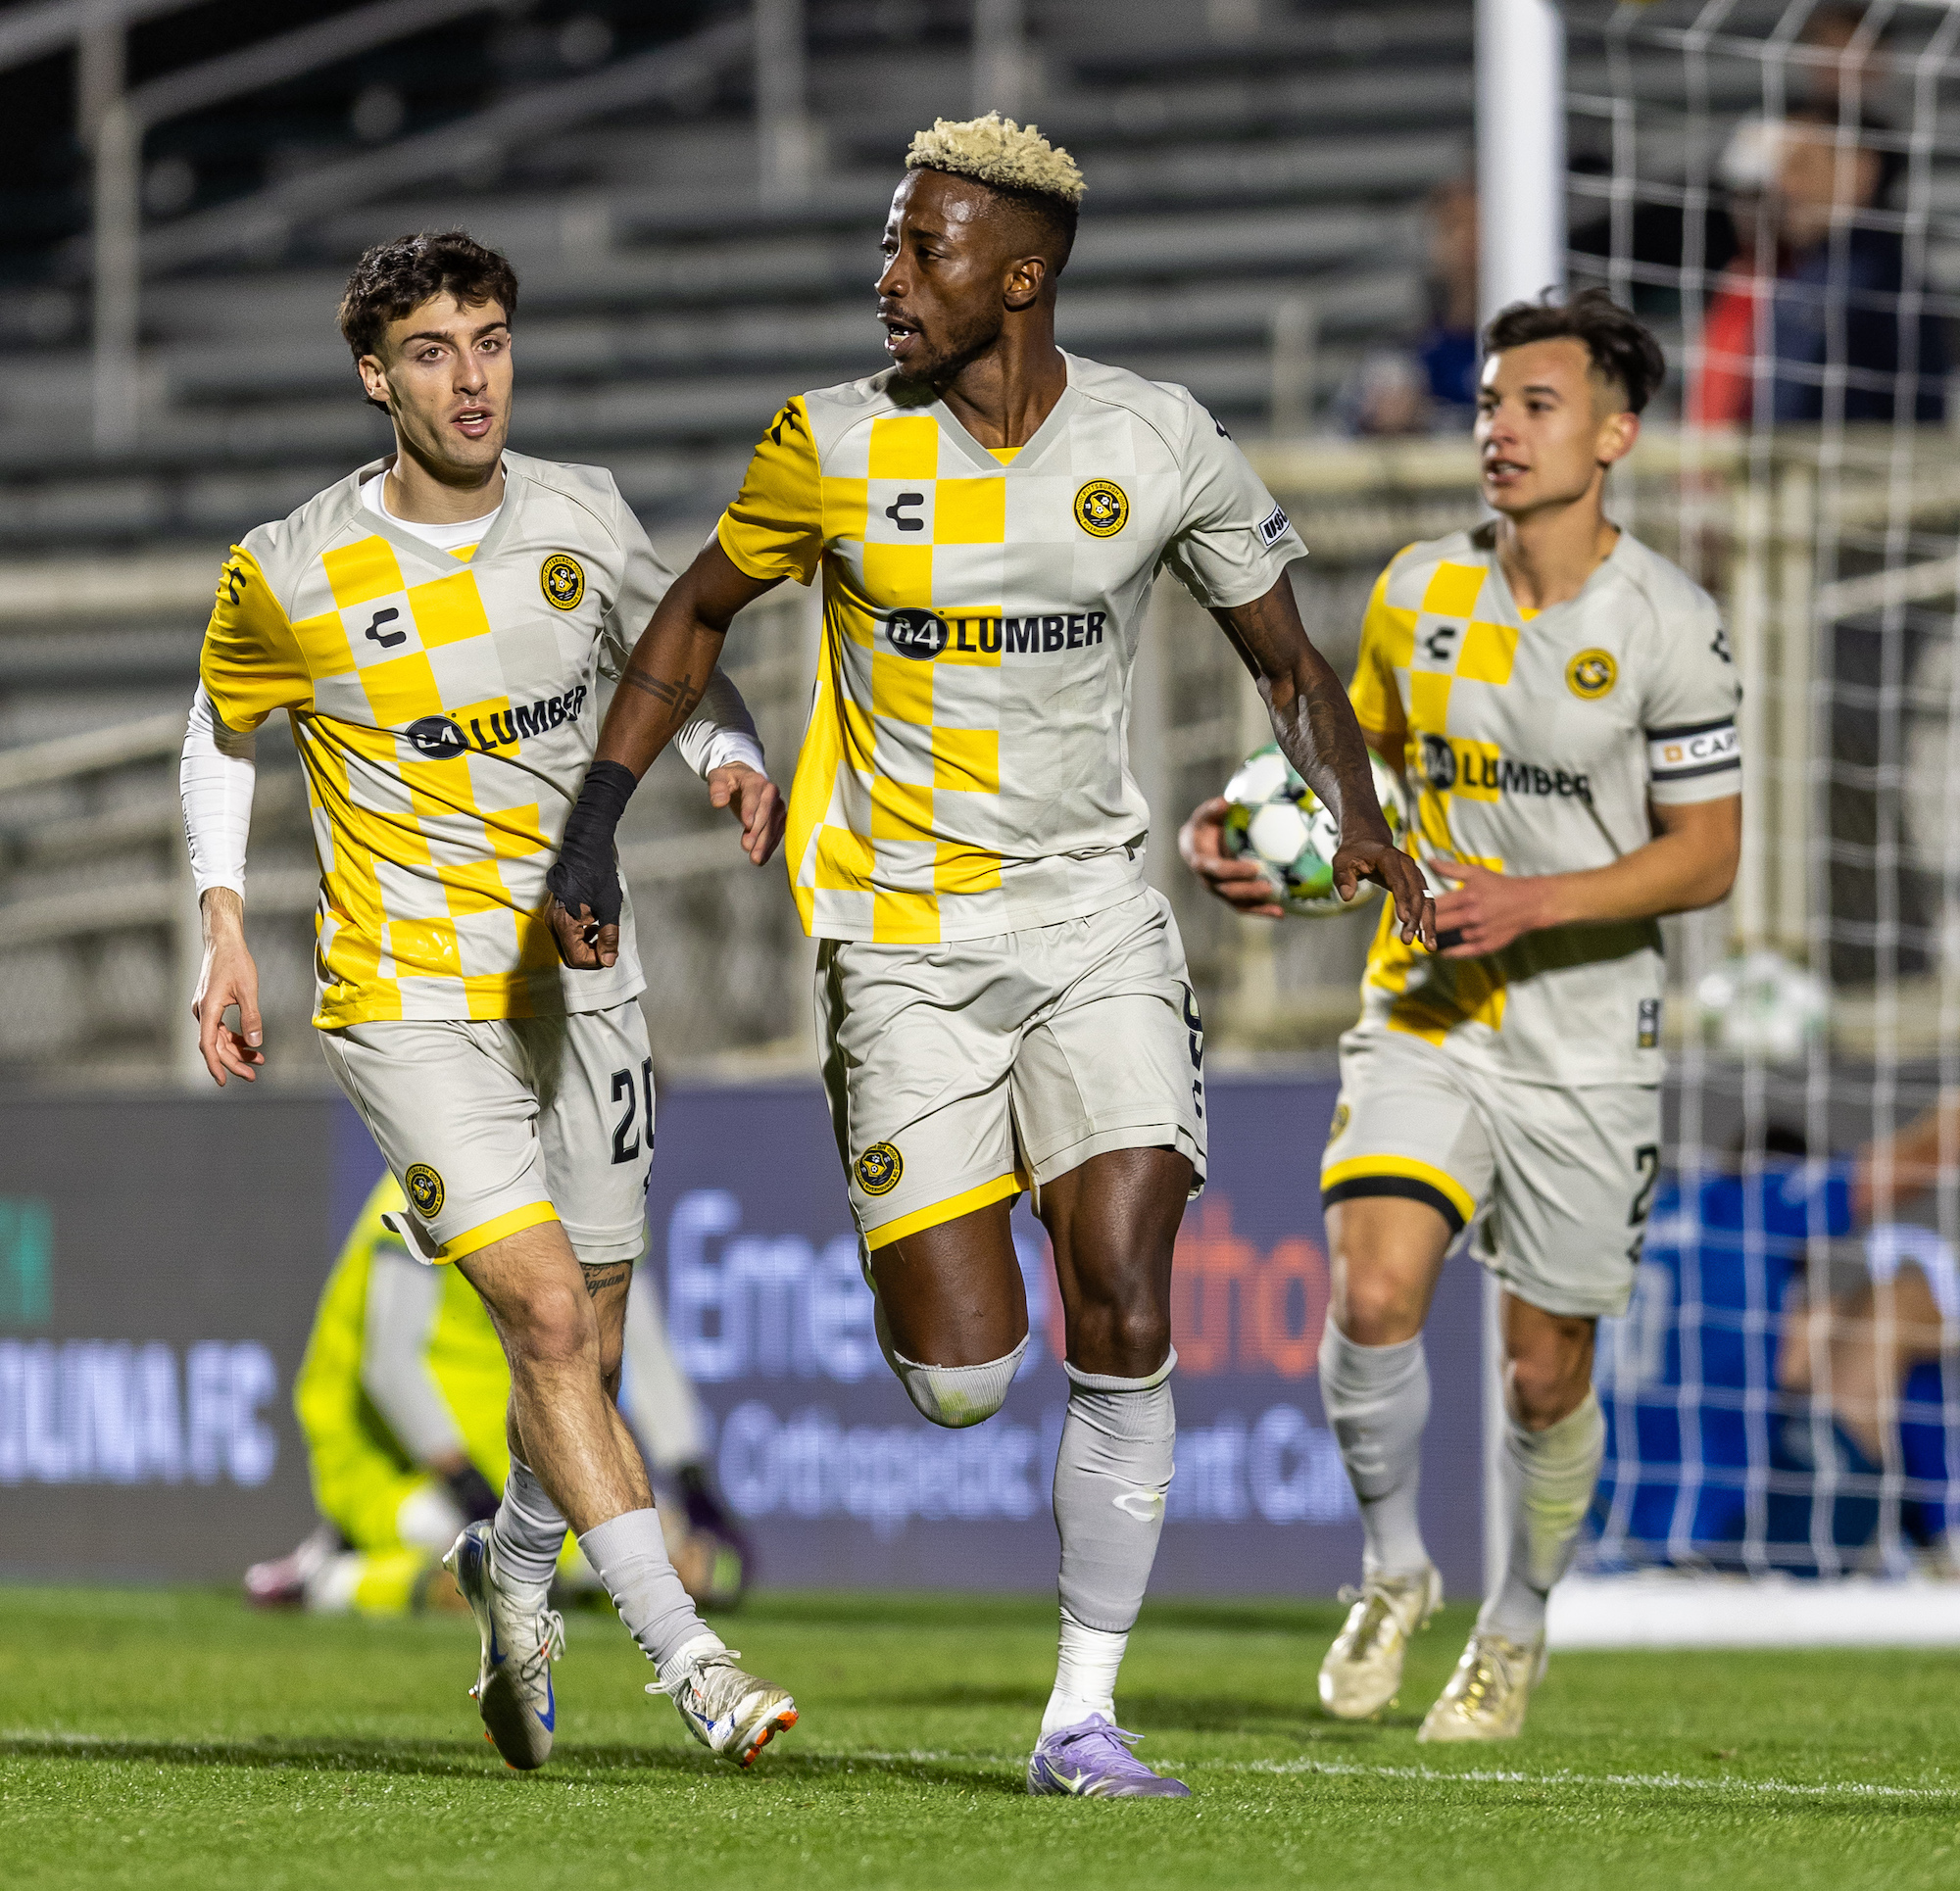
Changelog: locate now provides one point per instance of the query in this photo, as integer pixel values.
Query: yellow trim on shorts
(950, 1209)
(1363, 1167)
(531, 1215)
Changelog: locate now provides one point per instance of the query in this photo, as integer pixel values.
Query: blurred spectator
(1803, 186)
(1449, 350)
(1430, 384)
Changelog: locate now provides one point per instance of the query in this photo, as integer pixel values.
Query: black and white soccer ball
(1276, 819)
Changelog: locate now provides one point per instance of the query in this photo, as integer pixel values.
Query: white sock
(1085, 1676)
(1377, 1400)
(630, 1553)
(526, 1535)
(1549, 1478)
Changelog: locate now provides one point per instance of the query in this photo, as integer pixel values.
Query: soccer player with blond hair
(1562, 699)
(434, 624)
(1003, 999)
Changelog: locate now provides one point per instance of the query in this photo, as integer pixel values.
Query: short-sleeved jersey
(445, 712)
(1535, 745)
(965, 772)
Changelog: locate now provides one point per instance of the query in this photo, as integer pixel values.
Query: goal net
(1775, 186)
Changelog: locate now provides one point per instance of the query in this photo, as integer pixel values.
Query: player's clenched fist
(584, 879)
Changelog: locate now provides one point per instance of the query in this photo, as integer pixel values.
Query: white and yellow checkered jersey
(445, 714)
(967, 767)
(1537, 741)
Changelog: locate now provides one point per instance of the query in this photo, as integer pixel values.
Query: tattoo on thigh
(609, 1274)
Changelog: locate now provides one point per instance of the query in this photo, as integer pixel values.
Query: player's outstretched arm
(1314, 725)
(228, 977)
(1689, 863)
(662, 682)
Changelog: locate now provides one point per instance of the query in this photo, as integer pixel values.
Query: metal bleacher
(1256, 171)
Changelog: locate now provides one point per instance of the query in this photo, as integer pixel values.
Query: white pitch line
(1282, 1768)
(1470, 1776)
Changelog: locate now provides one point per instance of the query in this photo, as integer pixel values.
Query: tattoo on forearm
(607, 1275)
(679, 697)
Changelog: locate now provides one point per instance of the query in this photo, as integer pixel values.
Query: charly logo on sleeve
(1101, 509)
(561, 578)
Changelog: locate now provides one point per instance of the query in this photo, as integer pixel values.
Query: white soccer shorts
(497, 1125)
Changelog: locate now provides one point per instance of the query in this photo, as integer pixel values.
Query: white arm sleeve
(216, 779)
(403, 1300)
(720, 731)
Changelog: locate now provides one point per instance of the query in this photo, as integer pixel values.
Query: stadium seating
(667, 311)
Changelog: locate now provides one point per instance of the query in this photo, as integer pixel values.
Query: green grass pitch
(171, 1738)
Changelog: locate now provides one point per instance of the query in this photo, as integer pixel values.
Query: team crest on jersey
(1101, 509)
(879, 1169)
(1591, 674)
(1340, 1123)
(425, 1189)
(563, 579)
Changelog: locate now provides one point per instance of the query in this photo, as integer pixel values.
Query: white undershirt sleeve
(720, 731)
(216, 779)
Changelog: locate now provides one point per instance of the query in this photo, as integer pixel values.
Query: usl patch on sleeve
(1698, 748)
(1272, 528)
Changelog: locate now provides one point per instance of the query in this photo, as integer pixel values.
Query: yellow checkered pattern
(421, 880)
(901, 767)
(1424, 648)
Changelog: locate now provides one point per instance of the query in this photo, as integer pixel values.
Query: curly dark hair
(1624, 354)
(392, 278)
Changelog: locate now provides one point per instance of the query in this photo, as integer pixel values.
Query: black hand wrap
(584, 873)
(472, 1493)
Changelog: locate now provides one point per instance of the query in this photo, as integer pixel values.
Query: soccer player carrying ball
(1003, 999)
(432, 624)
(1562, 699)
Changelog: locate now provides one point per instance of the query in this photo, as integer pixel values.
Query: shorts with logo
(959, 1074)
(492, 1126)
(1564, 1176)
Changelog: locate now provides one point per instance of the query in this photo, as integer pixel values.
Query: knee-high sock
(1118, 1443)
(1377, 1400)
(526, 1534)
(630, 1554)
(1549, 1478)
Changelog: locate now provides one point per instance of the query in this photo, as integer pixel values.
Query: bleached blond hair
(998, 152)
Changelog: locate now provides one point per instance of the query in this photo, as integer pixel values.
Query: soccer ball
(1758, 1004)
(1277, 820)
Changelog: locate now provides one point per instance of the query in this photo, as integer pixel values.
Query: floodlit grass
(169, 1738)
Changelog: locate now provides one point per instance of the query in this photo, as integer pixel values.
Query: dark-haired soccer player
(1562, 697)
(1004, 998)
(432, 624)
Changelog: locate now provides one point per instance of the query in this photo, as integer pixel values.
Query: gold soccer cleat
(1364, 1667)
(1486, 1696)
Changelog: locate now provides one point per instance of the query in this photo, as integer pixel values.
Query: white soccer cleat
(1363, 1670)
(1486, 1698)
(730, 1712)
(513, 1683)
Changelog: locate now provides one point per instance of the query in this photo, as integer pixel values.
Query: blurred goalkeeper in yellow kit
(402, 1397)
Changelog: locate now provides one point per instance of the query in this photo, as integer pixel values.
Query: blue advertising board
(192, 1265)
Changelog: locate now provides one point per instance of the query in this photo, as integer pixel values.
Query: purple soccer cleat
(1091, 1760)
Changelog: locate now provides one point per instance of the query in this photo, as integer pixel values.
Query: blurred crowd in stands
(1809, 292)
